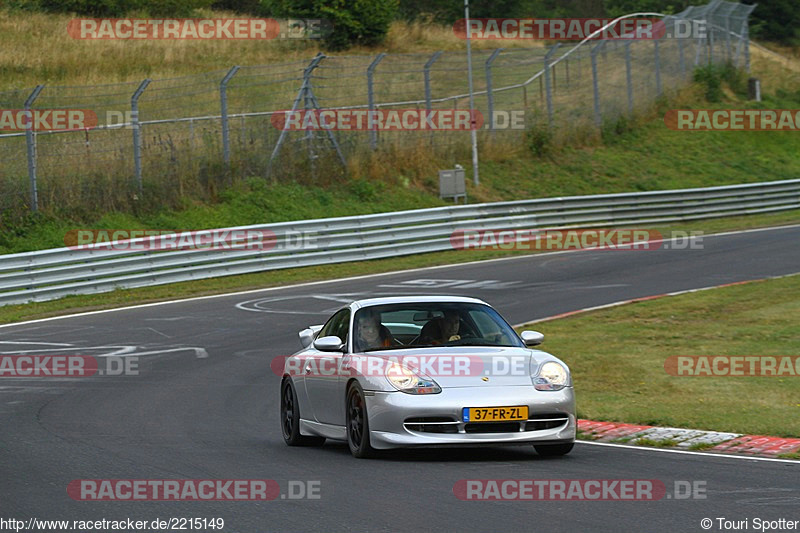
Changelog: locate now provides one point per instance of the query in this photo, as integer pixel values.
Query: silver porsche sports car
(425, 371)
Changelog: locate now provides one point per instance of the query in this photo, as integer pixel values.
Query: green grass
(701, 446)
(617, 359)
(666, 443)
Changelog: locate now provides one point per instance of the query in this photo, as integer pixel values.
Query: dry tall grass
(35, 49)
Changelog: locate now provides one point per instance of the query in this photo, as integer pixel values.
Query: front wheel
(290, 418)
(358, 423)
(553, 450)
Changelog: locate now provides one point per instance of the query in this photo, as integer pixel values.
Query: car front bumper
(390, 411)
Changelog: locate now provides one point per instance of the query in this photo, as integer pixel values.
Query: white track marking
(685, 452)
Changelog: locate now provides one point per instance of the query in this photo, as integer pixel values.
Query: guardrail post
(598, 117)
(30, 143)
(489, 93)
(223, 97)
(137, 141)
(629, 76)
(373, 134)
(548, 82)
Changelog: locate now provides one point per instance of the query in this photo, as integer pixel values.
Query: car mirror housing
(532, 338)
(307, 335)
(331, 343)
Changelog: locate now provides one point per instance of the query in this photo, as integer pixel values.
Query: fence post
(711, 31)
(746, 37)
(489, 93)
(548, 82)
(302, 93)
(728, 49)
(657, 58)
(223, 97)
(681, 58)
(598, 118)
(137, 144)
(629, 76)
(373, 134)
(427, 73)
(31, 147)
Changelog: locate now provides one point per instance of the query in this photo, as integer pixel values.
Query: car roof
(415, 299)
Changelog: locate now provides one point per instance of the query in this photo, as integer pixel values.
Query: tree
(776, 20)
(363, 22)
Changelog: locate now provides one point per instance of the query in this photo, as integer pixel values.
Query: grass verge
(617, 359)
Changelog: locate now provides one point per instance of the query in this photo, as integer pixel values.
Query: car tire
(290, 418)
(357, 423)
(553, 450)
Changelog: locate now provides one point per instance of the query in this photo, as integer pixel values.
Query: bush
(363, 22)
(539, 139)
(612, 129)
(713, 76)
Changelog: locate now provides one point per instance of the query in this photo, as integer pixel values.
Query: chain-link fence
(162, 140)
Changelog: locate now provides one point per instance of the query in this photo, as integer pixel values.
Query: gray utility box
(451, 184)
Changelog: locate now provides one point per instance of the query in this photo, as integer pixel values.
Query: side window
(334, 325)
(343, 326)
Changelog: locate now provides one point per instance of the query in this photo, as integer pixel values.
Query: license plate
(495, 414)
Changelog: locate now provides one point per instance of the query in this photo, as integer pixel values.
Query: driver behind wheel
(371, 333)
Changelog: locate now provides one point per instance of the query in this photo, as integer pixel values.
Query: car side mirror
(332, 343)
(307, 335)
(532, 338)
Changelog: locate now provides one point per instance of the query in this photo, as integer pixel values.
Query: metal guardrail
(49, 274)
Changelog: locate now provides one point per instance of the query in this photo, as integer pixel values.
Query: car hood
(470, 366)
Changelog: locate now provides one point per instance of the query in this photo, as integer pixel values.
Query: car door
(321, 373)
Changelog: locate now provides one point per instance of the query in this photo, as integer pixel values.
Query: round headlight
(405, 380)
(552, 376)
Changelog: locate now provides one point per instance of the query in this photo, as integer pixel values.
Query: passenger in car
(441, 330)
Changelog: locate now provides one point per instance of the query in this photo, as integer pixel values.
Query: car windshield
(397, 326)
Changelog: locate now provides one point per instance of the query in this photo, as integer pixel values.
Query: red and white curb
(709, 441)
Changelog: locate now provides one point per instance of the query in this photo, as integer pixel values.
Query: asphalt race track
(205, 406)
